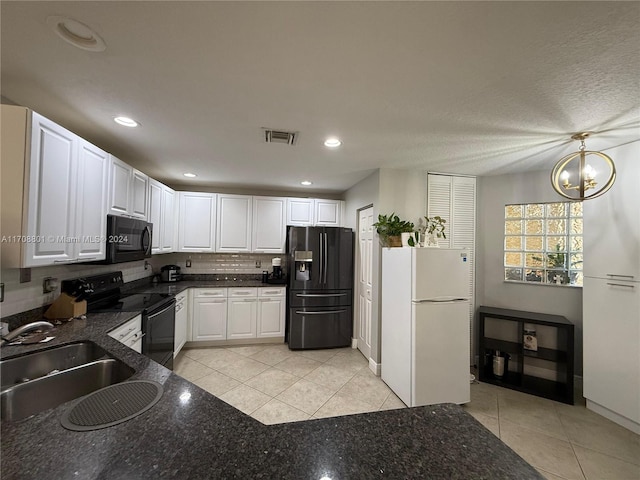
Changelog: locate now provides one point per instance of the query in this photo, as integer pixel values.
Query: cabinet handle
(617, 275)
(241, 293)
(620, 285)
(272, 292)
(264, 300)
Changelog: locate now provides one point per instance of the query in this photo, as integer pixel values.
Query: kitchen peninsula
(191, 434)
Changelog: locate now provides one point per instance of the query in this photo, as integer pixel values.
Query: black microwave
(128, 239)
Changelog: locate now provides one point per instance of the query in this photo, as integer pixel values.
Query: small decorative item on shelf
(530, 340)
(390, 228)
(430, 230)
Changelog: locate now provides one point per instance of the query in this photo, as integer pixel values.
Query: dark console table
(547, 372)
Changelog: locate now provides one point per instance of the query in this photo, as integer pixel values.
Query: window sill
(540, 284)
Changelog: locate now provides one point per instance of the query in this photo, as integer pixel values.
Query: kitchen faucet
(24, 329)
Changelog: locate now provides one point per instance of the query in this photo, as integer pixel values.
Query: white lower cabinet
(242, 313)
(129, 334)
(236, 313)
(271, 312)
(209, 320)
(182, 322)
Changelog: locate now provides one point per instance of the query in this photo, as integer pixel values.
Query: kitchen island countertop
(191, 434)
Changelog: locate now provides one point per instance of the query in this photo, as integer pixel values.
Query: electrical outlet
(187, 264)
(258, 264)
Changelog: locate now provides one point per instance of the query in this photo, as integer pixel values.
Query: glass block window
(543, 243)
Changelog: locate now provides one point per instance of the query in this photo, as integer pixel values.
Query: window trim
(570, 273)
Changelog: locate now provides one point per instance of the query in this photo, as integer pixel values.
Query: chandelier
(574, 168)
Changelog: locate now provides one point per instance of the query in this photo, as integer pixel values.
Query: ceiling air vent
(280, 136)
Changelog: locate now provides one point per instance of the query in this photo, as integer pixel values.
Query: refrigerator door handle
(321, 263)
(321, 295)
(443, 300)
(325, 256)
(326, 312)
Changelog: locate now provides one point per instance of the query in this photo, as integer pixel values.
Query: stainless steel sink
(38, 381)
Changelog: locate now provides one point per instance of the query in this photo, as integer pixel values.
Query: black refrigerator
(320, 302)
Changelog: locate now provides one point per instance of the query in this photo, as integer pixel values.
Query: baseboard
(354, 343)
(614, 417)
(375, 367)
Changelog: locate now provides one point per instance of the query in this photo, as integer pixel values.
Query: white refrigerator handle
(441, 300)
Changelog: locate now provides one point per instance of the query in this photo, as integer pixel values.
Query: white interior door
(364, 283)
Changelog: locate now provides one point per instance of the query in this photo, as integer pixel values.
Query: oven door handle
(150, 315)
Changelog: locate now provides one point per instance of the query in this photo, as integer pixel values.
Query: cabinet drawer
(210, 292)
(272, 292)
(124, 331)
(243, 292)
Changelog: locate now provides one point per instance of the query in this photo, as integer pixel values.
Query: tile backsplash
(217, 263)
(20, 297)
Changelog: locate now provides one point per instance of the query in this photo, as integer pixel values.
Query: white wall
(491, 289)
(402, 191)
(361, 195)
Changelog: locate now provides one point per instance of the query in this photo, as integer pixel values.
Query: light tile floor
(275, 385)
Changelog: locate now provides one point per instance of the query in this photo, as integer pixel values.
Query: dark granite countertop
(202, 437)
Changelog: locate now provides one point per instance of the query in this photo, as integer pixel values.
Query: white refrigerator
(425, 324)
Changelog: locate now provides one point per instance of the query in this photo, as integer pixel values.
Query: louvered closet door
(454, 199)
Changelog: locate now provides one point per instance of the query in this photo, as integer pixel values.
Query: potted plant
(431, 228)
(390, 229)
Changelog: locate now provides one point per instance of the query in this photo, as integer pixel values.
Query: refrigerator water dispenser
(303, 262)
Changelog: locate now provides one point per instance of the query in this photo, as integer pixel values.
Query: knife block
(65, 306)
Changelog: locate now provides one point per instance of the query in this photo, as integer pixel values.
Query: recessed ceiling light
(306, 183)
(76, 33)
(332, 142)
(190, 175)
(126, 121)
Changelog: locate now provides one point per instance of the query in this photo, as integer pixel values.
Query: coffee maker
(277, 275)
(276, 264)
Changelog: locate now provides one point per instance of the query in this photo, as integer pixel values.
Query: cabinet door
(155, 214)
(119, 190)
(242, 317)
(328, 212)
(269, 229)
(168, 235)
(300, 212)
(271, 315)
(197, 222)
(209, 318)
(92, 202)
(139, 190)
(612, 222)
(611, 345)
(233, 233)
(52, 194)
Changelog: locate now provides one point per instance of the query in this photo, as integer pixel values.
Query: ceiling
(479, 88)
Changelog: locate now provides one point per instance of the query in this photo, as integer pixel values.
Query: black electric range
(103, 294)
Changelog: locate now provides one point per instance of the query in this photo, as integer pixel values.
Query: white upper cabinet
(328, 212)
(128, 191)
(155, 213)
(162, 214)
(269, 226)
(197, 221)
(52, 193)
(612, 222)
(92, 202)
(300, 212)
(306, 212)
(168, 224)
(233, 233)
(64, 180)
